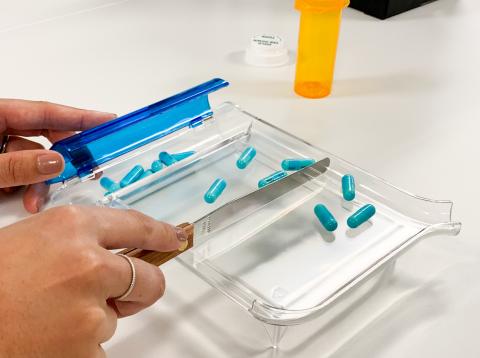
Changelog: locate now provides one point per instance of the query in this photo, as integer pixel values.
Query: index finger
(118, 228)
(17, 114)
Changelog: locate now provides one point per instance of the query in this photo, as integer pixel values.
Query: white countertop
(405, 106)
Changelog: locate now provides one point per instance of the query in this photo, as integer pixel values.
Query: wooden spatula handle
(158, 258)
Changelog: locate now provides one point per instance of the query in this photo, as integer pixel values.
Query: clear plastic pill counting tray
(278, 263)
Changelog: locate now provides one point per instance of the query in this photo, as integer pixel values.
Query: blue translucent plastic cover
(87, 150)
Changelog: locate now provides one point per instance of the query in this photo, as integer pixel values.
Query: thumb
(29, 167)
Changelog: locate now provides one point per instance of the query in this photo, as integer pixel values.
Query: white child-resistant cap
(266, 51)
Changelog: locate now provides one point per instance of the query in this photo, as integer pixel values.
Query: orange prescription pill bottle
(317, 45)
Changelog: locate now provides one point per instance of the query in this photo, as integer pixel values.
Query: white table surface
(405, 106)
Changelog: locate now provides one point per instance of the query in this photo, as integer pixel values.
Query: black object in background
(386, 8)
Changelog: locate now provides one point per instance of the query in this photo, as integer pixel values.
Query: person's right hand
(58, 281)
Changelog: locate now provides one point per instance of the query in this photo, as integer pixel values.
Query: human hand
(26, 162)
(58, 280)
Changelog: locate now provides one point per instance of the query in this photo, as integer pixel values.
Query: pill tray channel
(278, 263)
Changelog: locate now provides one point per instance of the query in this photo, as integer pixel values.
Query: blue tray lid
(86, 151)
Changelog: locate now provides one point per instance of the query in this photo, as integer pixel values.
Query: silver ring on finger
(4, 143)
(132, 281)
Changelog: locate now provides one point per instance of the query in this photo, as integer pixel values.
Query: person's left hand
(25, 162)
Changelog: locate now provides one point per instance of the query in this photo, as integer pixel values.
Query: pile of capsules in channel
(325, 217)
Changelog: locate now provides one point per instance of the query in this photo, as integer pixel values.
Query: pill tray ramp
(282, 265)
(279, 263)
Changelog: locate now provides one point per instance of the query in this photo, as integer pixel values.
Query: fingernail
(106, 114)
(182, 237)
(49, 163)
(183, 246)
(181, 234)
(39, 203)
(35, 197)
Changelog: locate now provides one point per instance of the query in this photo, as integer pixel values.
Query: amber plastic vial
(317, 45)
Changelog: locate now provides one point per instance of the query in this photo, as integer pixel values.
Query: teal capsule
(360, 216)
(146, 173)
(297, 164)
(182, 155)
(272, 178)
(348, 187)
(246, 157)
(325, 217)
(132, 176)
(166, 158)
(109, 185)
(215, 190)
(156, 166)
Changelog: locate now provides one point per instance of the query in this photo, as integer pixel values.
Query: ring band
(3, 145)
(132, 282)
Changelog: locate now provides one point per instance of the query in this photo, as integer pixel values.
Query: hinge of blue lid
(86, 151)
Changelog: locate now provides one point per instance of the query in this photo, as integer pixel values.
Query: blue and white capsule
(156, 166)
(181, 156)
(325, 217)
(109, 185)
(360, 216)
(132, 176)
(297, 164)
(246, 157)
(348, 187)
(166, 158)
(215, 190)
(272, 178)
